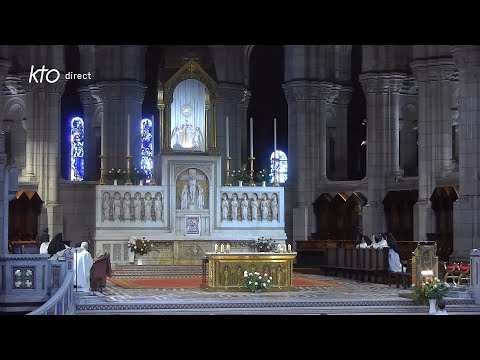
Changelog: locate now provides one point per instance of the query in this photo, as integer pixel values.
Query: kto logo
(43, 71)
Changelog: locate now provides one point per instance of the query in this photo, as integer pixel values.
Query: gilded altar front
(225, 270)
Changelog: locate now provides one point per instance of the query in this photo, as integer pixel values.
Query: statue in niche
(148, 206)
(265, 207)
(274, 205)
(117, 206)
(225, 274)
(137, 206)
(279, 275)
(200, 198)
(192, 181)
(224, 207)
(127, 204)
(239, 275)
(234, 205)
(254, 206)
(197, 139)
(107, 204)
(158, 206)
(244, 205)
(184, 198)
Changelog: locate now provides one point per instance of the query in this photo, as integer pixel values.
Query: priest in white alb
(82, 263)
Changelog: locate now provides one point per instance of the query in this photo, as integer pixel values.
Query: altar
(225, 270)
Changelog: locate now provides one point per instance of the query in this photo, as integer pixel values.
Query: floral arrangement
(265, 245)
(256, 281)
(137, 175)
(116, 174)
(263, 175)
(241, 174)
(140, 246)
(430, 288)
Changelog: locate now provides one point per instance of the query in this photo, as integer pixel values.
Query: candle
(227, 136)
(274, 137)
(279, 247)
(251, 137)
(153, 137)
(128, 135)
(102, 139)
(216, 247)
(228, 248)
(222, 248)
(289, 248)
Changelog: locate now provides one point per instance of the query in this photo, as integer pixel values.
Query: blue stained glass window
(147, 146)
(282, 166)
(77, 134)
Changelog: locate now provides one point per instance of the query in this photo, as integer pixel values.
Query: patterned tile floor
(348, 297)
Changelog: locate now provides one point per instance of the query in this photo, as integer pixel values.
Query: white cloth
(441, 312)
(82, 263)
(44, 247)
(382, 244)
(394, 264)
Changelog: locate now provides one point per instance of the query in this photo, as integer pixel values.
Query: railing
(62, 303)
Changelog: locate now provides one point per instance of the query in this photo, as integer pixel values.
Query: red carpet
(192, 283)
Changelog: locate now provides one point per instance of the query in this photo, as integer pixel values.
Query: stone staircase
(157, 271)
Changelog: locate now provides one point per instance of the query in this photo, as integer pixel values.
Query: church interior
(142, 170)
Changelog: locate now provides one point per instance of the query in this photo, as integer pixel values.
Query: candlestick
(128, 135)
(102, 138)
(101, 181)
(129, 180)
(251, 137)
(216, 248)
(222, 248)
(228, 181)
(275, 137)
(227, 137)
(279, 247)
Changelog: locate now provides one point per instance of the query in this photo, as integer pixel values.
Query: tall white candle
(153, 136)
(251, 137)
(128, 135)
(274, 137)
(227, 135)
(102, 138)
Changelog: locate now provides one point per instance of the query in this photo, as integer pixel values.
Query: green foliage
(140, 246)
(256, 281)
(430, 288)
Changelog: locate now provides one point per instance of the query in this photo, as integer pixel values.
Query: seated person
(374, 244)
(363, 244)
(56, 245)
(394, 264)
(383, 242)
(82, 263)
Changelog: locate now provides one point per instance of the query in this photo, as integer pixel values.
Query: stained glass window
(282, 166)
(77, 167)
(147, 146)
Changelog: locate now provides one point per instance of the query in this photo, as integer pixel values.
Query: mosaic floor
(349, 297)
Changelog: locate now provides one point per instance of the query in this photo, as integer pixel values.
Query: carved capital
(382, 83)
(121, 91)
(466, 56)
(433, 69)
(344, 96)
(295, 92)
(309, 90)
(231, 93)
(12, 85)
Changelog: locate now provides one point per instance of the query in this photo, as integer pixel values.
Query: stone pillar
(434, 136)
(4, 183)
(120, 99)
(229, 103)
(308, 102)
(91, 106)
(475, 274)
(340, 105)
(381, 92)
(466, 219)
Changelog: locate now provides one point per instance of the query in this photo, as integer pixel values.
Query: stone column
(340, 105)
(434, 136)
(120, 99)
(382, 143)
(466, 219)
(4, 184)
(91, 106)
(475, 274)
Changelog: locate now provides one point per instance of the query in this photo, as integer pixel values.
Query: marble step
(153, 271)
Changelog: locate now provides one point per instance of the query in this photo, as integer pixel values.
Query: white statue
(137, 206)
(127, 203)
(148, 206)
(117, 206)
(184, 197)
(224, 207)
(234, 207)
(274, 205)
(200, 199)
(158, 206)
(193, 187)
(254, 205)
(244, 205)
(265, 207)
(107, 204)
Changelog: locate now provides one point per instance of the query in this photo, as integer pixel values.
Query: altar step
(157, 271)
